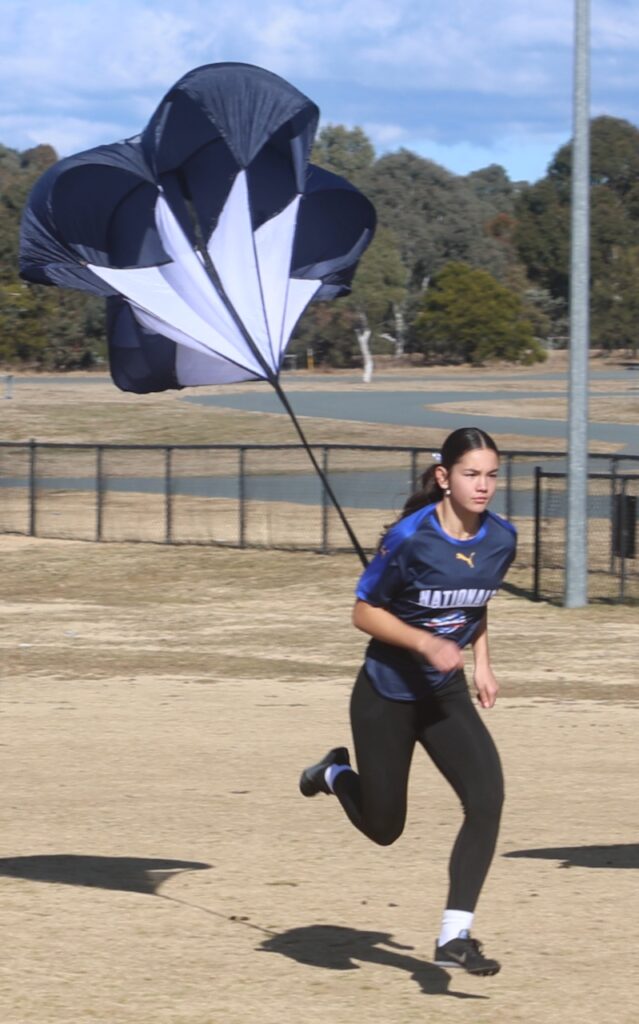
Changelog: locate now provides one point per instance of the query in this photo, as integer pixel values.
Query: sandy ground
(158, 865)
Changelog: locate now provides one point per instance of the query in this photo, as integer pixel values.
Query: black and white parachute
(208, 234)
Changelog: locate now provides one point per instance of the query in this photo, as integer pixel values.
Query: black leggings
(449, 728)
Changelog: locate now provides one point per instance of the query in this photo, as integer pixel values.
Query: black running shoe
(312, 779)
(465, 952)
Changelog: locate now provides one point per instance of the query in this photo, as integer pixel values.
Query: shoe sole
(484, 972)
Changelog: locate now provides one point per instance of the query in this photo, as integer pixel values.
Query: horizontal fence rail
(268, 495)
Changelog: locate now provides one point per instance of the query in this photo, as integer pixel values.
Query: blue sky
(463, 82)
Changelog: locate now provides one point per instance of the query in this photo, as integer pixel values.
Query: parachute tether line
(273, 379)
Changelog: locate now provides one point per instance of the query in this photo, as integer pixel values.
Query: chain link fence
(269, 496)
(613, 562)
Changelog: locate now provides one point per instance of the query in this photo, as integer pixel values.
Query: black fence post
(509, 486)
(537, 534)
(168, 495)
(413, 471)
(32, 487)
(325, 500)
(99, 491)
(622, 539)
(242, 496)
(613, 492)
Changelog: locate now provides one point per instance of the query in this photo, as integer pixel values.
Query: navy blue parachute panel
(108, 217)
(292, 142)
(244, 104)
(271, 183)
(45, 260)
(177, 130)
(336, 223)
(200, 187)
(141, 361)
(96, 207)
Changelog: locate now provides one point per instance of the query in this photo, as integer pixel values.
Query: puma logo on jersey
(466, 558)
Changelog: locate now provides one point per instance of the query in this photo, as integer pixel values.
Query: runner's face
(473, 479)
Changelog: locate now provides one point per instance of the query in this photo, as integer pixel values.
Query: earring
(447, 492)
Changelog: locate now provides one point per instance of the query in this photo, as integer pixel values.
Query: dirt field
(158, 865)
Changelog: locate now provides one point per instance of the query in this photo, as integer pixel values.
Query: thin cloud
(467, 77)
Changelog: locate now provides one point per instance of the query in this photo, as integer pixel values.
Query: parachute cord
(269, 375)
(329, 490)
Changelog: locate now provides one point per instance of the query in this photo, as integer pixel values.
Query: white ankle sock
(453, 923)
(332, 772)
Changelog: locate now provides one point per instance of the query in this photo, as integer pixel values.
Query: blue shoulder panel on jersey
(502, 522)
(391, 542)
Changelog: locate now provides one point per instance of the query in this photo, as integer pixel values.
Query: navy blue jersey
(433, 581)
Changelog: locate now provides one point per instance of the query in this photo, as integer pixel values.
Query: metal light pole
(576, 587)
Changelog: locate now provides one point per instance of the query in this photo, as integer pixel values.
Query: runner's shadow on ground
(337, 949)
(128, 874)
(620, 855)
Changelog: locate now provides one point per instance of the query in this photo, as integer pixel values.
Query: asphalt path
(384, 489)
(419, 409)
(411, 408)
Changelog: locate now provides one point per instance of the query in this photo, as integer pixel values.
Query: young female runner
(422, 600)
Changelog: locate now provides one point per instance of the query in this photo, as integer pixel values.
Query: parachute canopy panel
(209, 233)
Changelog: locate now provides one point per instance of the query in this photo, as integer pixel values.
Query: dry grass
(600, 410)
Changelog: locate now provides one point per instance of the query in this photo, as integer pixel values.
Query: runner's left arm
(483, 676)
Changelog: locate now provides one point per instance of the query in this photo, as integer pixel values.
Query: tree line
(462, 268)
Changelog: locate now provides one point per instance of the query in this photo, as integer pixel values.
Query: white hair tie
(437, 456)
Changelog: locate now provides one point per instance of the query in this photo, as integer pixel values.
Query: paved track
(419, 408)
